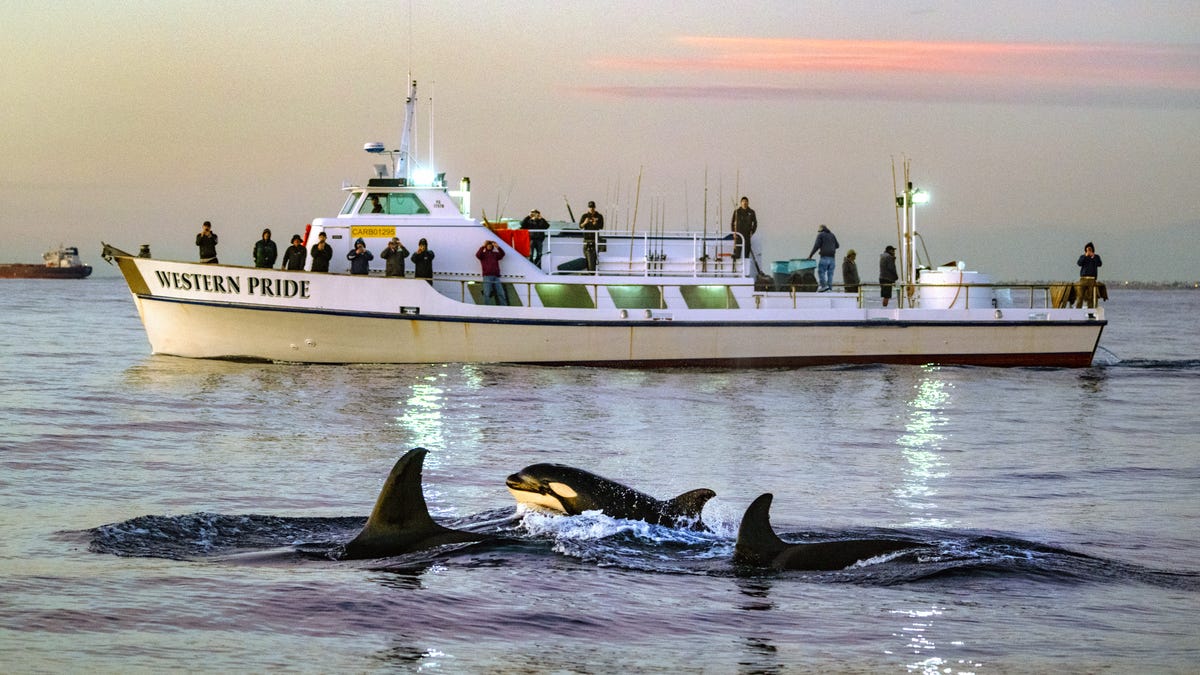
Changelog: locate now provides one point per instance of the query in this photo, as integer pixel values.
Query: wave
(593, 540)
(1169, 365)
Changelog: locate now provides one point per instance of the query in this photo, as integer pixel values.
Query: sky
(1035, 127)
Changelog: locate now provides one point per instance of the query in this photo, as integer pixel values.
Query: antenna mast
(404, 165)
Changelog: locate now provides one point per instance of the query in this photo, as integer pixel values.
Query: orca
(400, 522)
(565, 489)
(759, 546)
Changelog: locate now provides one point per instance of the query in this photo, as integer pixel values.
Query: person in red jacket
(489, 260)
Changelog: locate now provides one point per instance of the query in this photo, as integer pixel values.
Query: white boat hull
(345, 319)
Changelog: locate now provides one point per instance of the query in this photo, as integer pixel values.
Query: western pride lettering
(215, 283)
(278, 288)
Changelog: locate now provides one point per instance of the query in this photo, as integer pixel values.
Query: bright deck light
(920, 197)
(424, 177)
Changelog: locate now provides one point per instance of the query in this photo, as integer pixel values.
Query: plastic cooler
(781, 270)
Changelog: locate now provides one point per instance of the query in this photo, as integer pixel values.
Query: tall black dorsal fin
(400, 521)
(757, 543)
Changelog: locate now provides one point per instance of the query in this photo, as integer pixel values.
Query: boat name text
(216, 283)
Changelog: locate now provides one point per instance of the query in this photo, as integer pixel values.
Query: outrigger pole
(899, 230)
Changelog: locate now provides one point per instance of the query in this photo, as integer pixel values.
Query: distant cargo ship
(60, 263)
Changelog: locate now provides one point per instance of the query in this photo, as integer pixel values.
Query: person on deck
(207, 241)
(490, 256)
(850, 278)
(1089, 265)
(360, 258)
(887, 273)
(294, 255)
(591, 221)
(423, 262)
(265, 252)
(537, 226)
(827, 244)
(394, 254)
(321, 254)
(744, 223)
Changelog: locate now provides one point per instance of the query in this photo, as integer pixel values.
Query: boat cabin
(395, 207)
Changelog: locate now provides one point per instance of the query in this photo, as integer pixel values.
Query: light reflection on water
(423, 410)
(921, 447)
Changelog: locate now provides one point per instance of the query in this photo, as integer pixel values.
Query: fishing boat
(59, 263)
(657, 298)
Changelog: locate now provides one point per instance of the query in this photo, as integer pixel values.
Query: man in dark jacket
(537, 226)
(321, 254)
(360, 258)
(394, 254)
(1089, 267)
(590, 221)
(744, 224)
(887, 273)
(207, 241)
(265, 252)
(423, 262)
(294, 256)
(827, 244)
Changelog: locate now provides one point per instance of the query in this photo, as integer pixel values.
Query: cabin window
(348, 207)
(393, 204)
(565, 295)
(636, 297)
(708, 297)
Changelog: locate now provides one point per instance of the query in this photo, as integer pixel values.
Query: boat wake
(593, 540)
(1157, 365)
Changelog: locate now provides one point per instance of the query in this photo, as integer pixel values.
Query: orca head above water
(571, 491)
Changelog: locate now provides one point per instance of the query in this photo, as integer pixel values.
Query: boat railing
(1052, 295)
(794, 296)
(666, 253)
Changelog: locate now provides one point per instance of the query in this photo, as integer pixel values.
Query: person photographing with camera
(490, 256)
(591, 221)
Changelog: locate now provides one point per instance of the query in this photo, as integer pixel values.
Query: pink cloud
(1072, 72)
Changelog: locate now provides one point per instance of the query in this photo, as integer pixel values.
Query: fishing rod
(704, 242)
(720, 206)
(655, 222)
(633, 225)
(663, 233)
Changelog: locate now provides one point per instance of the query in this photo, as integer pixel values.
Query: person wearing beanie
(265, 252)
(422, 262)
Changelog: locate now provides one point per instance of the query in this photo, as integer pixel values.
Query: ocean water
(1059, 507)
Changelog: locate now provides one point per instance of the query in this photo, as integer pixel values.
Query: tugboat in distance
(60, 263)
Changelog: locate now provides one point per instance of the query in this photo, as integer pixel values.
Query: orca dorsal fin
(688, 506)
(400, 521)
(757, 543)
